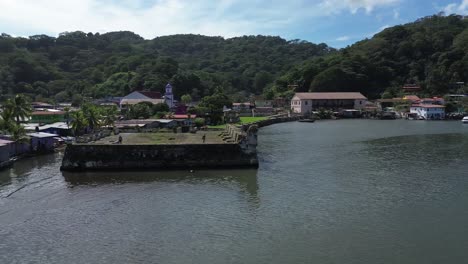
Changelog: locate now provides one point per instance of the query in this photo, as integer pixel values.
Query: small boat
(465, 120)
(307, 120)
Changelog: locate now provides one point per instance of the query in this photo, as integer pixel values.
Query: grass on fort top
(244, 120)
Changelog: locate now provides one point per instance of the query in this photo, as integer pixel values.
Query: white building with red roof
(307, 102)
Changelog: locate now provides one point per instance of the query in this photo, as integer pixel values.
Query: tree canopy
(114, 64)
(431, 52)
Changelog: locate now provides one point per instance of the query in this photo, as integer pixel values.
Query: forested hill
(431, 52)
(78, 64)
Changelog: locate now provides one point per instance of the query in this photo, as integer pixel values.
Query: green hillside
(431, 52)
(77, 64)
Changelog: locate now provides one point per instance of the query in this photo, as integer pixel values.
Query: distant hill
(78, 64)
(431, 52)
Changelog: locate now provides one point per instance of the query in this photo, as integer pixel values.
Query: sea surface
(342, 191)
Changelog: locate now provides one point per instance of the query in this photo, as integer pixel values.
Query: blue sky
(335, 22)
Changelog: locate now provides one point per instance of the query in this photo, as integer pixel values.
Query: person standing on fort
(204, 138)
(120, 139)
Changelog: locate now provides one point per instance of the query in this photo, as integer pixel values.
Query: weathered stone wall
(240, 150)
(276, 120)
(115, 157)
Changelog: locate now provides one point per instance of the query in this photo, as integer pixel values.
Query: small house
(42, 142)
(184, 120)
(6, 150)
(242, 107)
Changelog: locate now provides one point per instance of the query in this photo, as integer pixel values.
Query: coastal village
(148, 117)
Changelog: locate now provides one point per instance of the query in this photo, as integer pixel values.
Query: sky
(337, 23)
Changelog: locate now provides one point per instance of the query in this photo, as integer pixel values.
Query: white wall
(301, 106)
(428, 112)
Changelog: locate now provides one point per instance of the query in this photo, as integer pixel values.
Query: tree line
(430, 52)
(78, 65)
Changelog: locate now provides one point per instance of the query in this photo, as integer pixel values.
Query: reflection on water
(347, 191)
(414, 149)
(246, 179)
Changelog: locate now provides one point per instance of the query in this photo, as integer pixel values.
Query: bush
(199, 122)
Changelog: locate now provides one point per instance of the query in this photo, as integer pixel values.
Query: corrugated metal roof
(4, 142)
(331, 96)
(42, 135)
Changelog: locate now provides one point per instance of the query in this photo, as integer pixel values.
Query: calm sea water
(346, 191)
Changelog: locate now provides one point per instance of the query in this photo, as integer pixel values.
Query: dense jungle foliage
(77, 64)
(431, 52)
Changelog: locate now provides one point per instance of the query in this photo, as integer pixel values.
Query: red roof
(181, 116)
(411, 97)
(428, 106)
(331, 96)
(150, 94)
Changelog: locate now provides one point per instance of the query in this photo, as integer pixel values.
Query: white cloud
(336, 6)
(343, 38)
(454, 8)
(383, 27)
(396, 14)
(151, 18)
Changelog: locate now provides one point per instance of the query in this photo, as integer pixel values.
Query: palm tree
(6, 121)
(93, 116)
(18, 134)
(109, 117)
(19, 107)
(67, 116)
(78, 122)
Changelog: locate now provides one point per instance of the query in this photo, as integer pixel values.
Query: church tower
(169, 96)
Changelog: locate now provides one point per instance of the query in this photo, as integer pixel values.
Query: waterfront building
(136, 97)
(6, 150)
(60, 128)
(428, 111)
(307, 102)
(41, 141)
